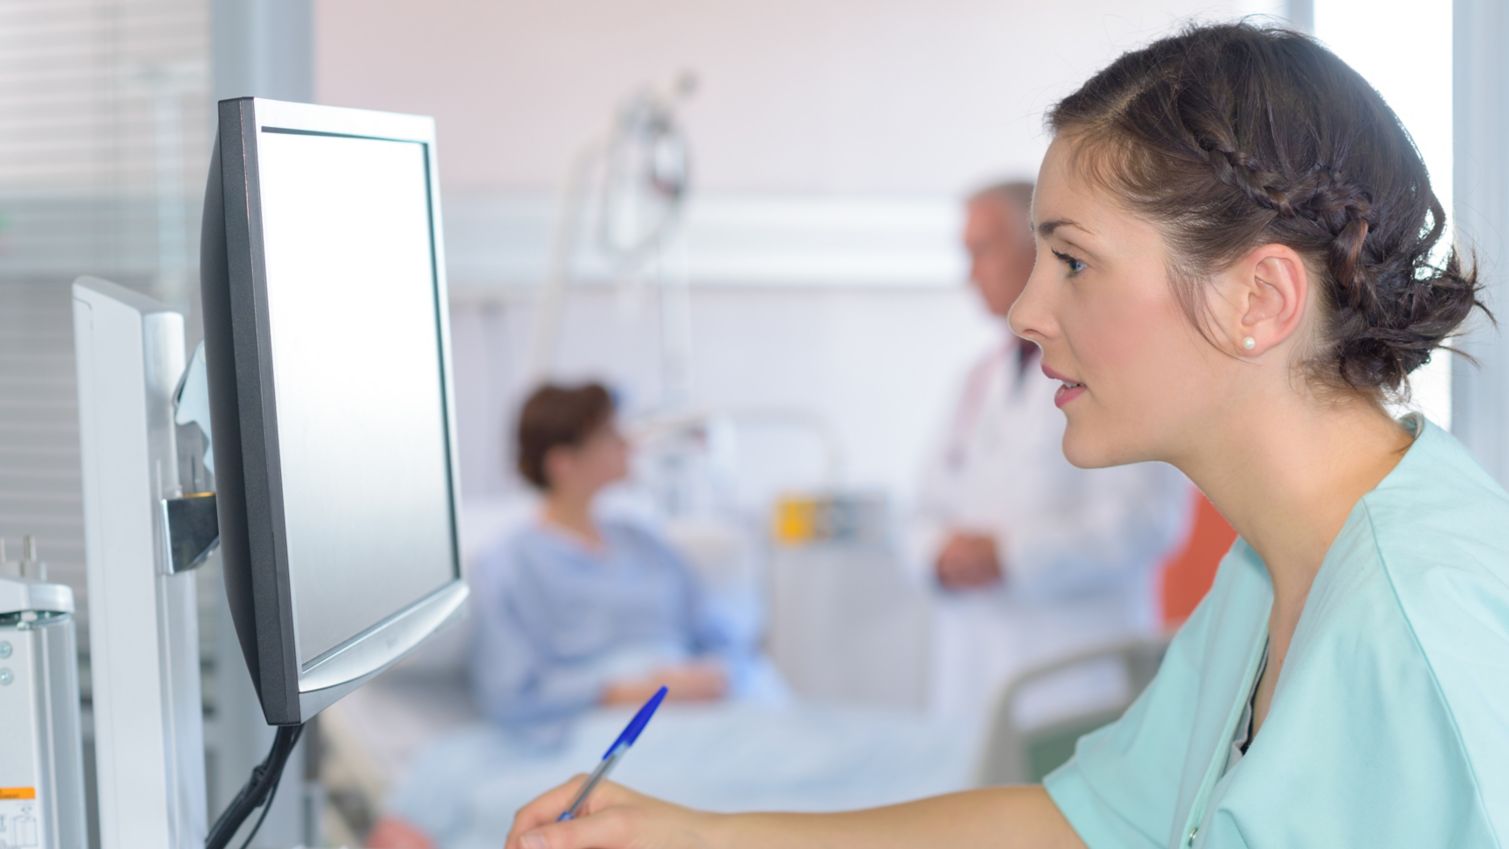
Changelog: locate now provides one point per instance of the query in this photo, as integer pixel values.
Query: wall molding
(501, 241)
(498, 244)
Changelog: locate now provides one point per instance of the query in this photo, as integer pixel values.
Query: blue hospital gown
(554, 621)
(1389, 726)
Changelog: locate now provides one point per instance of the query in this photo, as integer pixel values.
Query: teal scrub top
(1389, 726)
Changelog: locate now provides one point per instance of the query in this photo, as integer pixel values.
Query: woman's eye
(1075, 266)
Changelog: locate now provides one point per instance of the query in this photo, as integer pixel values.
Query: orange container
(1187, 576)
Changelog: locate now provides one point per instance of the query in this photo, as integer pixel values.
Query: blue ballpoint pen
(614, 753)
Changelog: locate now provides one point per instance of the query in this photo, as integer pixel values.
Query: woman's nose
(1029, 317)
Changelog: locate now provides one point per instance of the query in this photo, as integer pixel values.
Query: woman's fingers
(607, 829)
(545, 809)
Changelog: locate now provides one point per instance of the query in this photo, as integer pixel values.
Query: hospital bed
(856, 736)
(464, 789)
(437, 767)
(416, 727)
(372, 738)
(1023, 748)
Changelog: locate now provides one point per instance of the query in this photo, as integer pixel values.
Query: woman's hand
(617, 818)
(697, 681)
(969, 561)
(393, 833)
(613, 817)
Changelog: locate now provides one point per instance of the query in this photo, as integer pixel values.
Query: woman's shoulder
(1411, 657)
(1431, 545)
(1410, 618)
(1439, 533)
(1439, 499)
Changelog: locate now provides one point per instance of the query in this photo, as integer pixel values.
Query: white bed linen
(464, 788)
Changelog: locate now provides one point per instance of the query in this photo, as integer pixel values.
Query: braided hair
(1234, 135)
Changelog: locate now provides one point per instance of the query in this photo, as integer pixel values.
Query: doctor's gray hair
(1015, 193)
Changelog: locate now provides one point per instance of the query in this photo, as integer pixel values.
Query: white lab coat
(1080, 547)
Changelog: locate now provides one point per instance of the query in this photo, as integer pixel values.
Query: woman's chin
(1088, 450)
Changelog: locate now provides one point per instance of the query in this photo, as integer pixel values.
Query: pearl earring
(1248, 343)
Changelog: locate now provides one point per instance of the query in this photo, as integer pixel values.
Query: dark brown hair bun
(1236, 135)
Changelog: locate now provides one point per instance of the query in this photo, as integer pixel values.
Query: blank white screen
(353, 322)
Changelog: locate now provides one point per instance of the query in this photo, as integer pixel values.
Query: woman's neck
(1286, 475)
(572, 512)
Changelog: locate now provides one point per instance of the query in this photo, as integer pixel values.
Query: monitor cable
(259, 791)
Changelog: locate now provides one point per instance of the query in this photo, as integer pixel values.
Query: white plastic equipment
(143, 628)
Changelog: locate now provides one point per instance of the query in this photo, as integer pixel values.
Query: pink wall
(837, 96)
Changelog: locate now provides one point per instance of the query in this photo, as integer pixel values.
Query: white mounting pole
(143, 628)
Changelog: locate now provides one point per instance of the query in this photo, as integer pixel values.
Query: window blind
(105, 128)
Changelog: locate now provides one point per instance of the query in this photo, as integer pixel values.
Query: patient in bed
(575, 610)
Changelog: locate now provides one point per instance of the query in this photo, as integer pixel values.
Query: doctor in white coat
(1033, 559)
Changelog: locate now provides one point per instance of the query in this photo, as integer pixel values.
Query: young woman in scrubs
(1240, 260)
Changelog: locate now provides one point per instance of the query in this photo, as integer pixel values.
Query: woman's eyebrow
(1046, 228)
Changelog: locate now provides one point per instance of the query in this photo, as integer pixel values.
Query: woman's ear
(1264, 294)
(558, 463)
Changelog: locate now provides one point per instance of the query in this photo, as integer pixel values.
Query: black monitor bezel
(243, 401)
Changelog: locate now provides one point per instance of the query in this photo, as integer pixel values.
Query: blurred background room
(754, 224)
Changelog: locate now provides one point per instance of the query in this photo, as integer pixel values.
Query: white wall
(877, 364)
(843, 104)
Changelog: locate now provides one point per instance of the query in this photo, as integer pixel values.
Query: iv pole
(642, 165)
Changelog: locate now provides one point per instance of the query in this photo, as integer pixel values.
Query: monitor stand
(142, 615)
(144, 538)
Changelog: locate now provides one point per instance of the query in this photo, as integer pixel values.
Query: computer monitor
(327, 353)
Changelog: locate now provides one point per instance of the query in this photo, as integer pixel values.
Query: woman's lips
(1070, 389)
